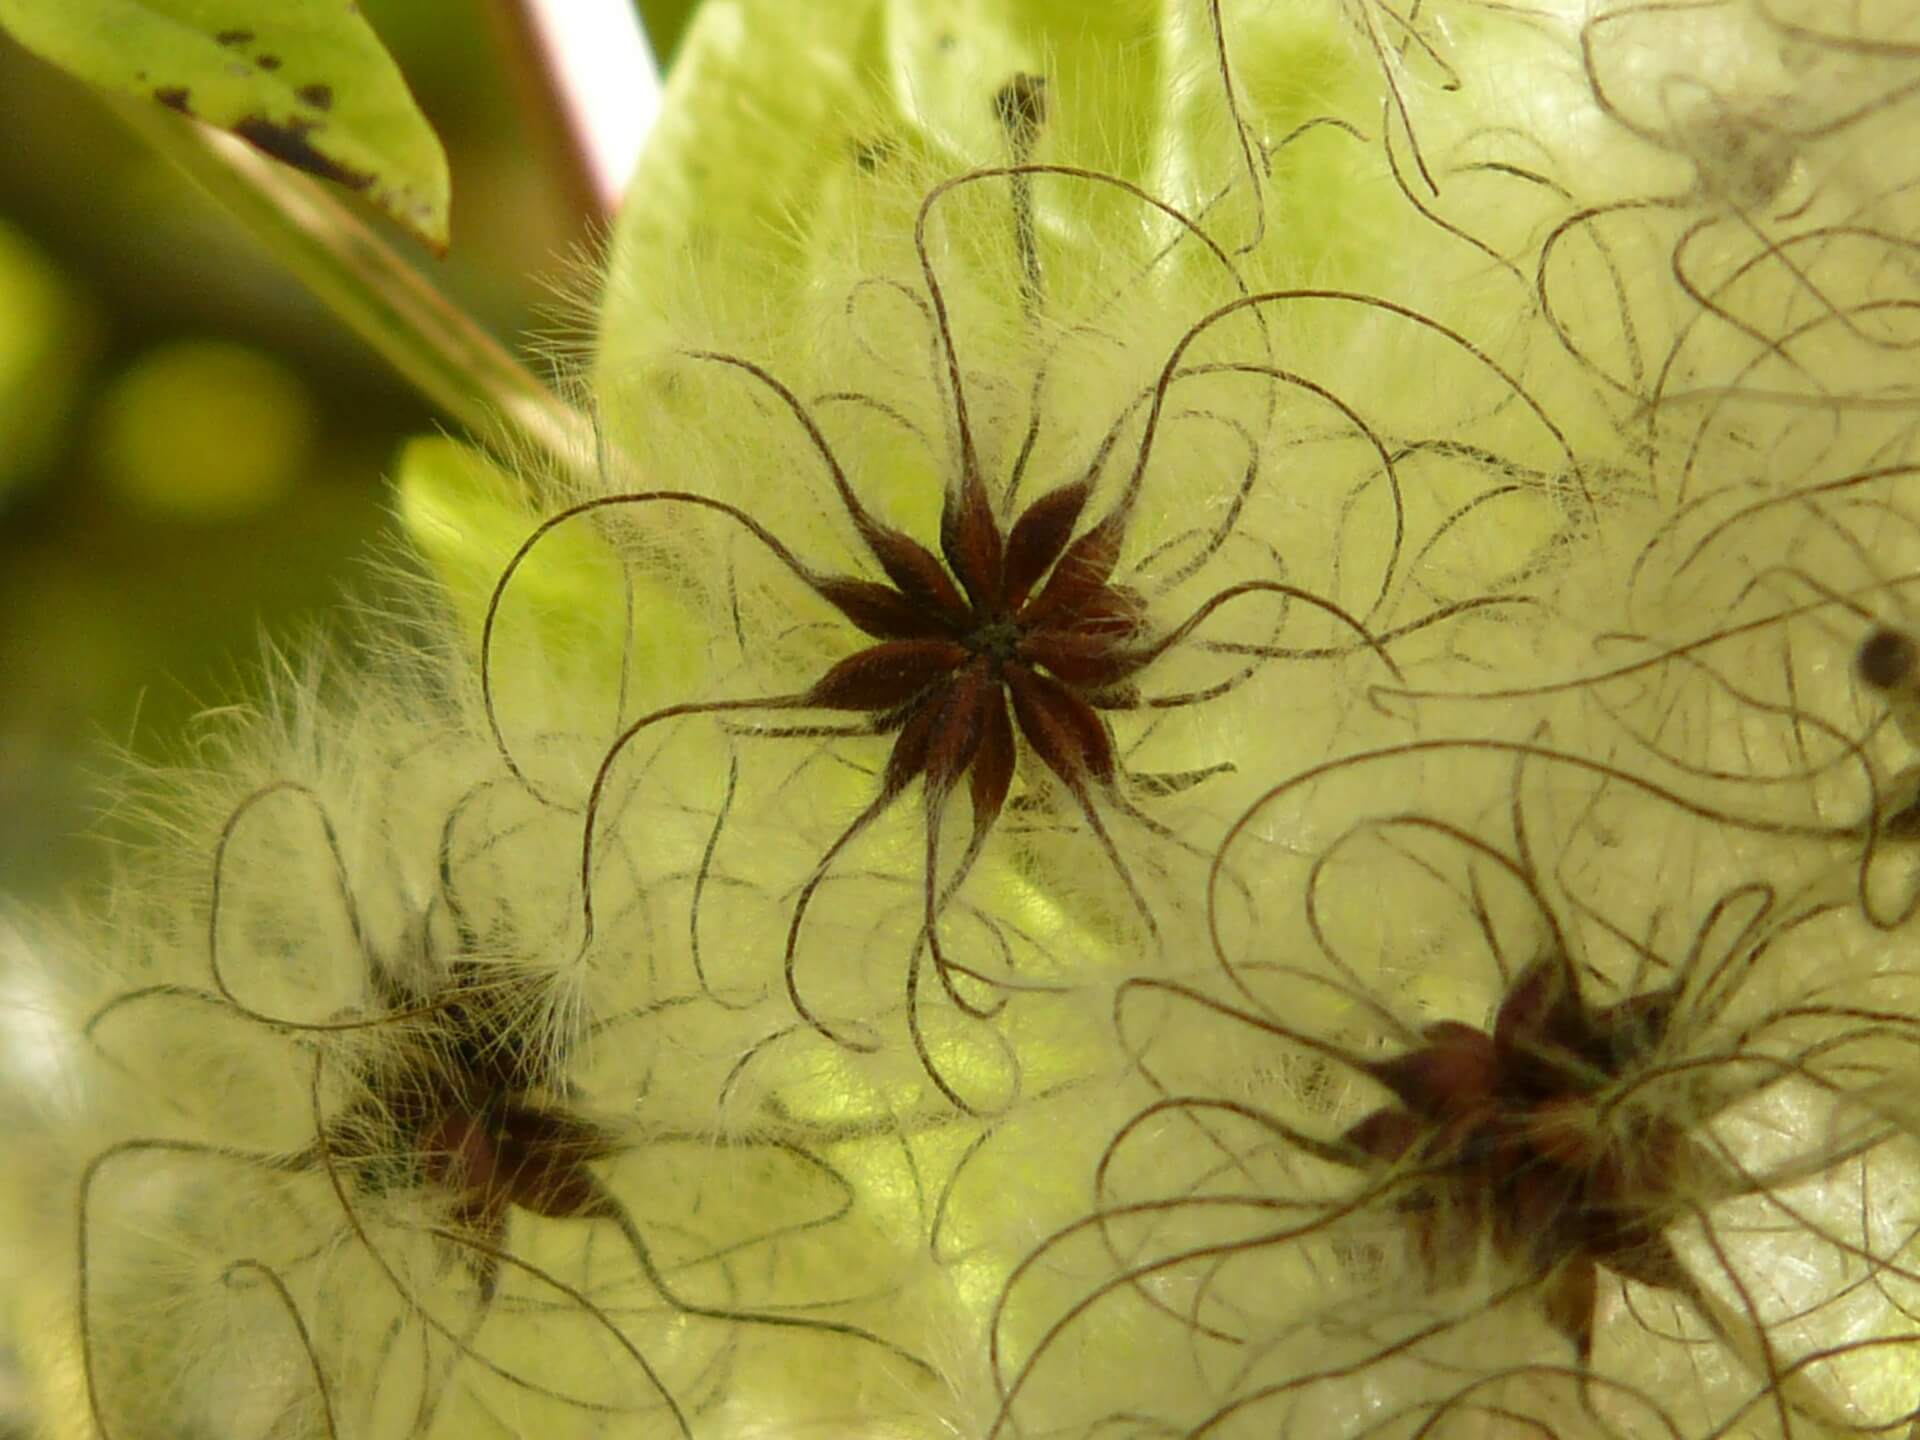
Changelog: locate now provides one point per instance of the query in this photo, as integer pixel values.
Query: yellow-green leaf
(569, 599)
(306, 81)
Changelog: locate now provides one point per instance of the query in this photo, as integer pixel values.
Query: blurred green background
(192, 451)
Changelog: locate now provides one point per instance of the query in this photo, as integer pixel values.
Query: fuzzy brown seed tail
(887, 676)
(974, 548)
(1039, 537)
(1065, 732)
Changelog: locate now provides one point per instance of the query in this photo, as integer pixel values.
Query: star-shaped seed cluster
(1509, 1135)
(1023, 617)
(457, 1108)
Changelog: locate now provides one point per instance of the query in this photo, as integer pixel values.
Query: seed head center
(998, 640)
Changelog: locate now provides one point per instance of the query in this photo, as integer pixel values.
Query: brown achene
(458, 1102)
(460, 1099)
(1508, 1130)
(1511, 1160)
(1026, 619)
(1016, 634)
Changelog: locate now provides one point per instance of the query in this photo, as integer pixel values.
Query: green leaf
(762, 107)
(780, 121)
(569, 598)
(306, 81)
(467, 517)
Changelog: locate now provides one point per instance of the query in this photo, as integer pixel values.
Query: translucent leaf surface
(784, 127)
(467, 518)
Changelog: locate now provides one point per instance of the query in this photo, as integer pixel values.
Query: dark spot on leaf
(233, 37)
(267, 62)
(320, 97)
(945, 41)
(289, 143)
(175, 97)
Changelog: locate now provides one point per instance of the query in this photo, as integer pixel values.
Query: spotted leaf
(306, 81)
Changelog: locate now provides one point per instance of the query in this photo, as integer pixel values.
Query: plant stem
(442, 351)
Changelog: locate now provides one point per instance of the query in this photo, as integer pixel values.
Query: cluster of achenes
(1230, 754)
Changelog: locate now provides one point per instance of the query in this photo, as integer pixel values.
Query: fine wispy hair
(1486, 1159)
(1076, 480)
(1400, 521)
(363, 1141)
(1739, 281)
(1739, 298)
